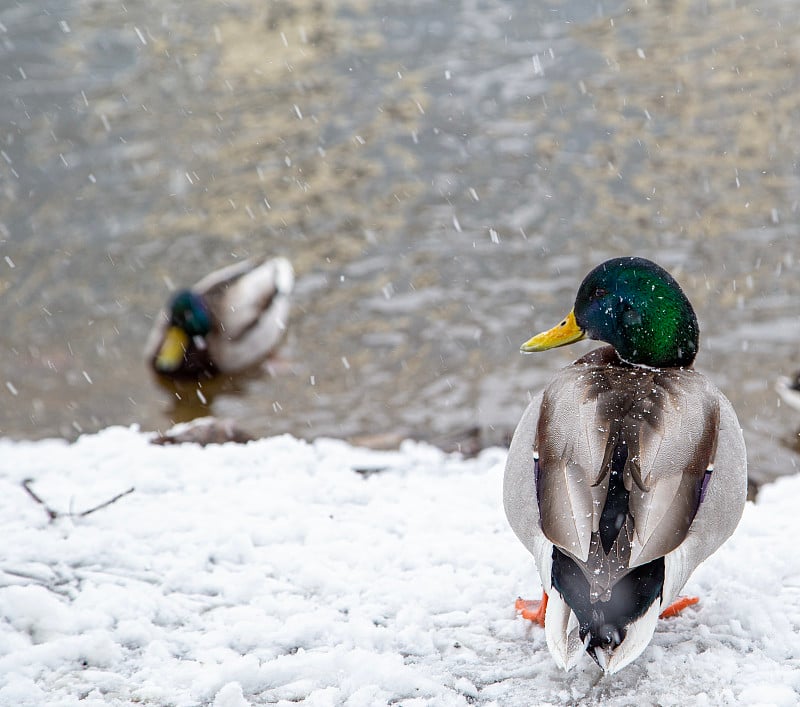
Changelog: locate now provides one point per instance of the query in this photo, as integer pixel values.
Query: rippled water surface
(442, 174)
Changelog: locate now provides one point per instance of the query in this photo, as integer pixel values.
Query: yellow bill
(567, 332)
(170, 355)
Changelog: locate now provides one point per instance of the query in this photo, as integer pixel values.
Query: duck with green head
(229, 321)
(627, 471)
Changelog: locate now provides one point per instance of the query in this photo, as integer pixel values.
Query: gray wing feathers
(519, 492)
(240, 293)
(253, 312)
(667, 420)
(215, 283)
(674, 455)
(721, 509)
(519, 484)
(245, 302)
(571, 446)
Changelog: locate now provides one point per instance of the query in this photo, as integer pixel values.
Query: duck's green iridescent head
(637, 307)
(189, 312)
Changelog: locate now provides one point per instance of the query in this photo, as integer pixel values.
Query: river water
(442, 174)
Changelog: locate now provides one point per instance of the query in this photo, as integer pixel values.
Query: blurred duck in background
(228, 322)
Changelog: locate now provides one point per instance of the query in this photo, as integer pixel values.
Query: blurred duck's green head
(189, 312)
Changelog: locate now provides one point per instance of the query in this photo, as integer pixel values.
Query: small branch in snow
(53, 514)
(116, 498)
(26, 484)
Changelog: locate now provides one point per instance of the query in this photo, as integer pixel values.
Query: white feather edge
(562, 633)
(637, 638)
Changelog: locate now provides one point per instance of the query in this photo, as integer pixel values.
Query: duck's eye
(599, 292)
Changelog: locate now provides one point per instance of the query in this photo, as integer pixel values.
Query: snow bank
(274, 572)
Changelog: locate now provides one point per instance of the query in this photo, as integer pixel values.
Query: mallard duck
(627, 471)
(229, 321)
(789, 390)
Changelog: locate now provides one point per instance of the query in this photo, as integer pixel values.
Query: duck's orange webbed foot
(677, 606)
(532, 610)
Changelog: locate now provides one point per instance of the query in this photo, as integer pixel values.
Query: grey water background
(442, 174)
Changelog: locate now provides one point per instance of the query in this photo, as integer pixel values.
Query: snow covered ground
(274, 572)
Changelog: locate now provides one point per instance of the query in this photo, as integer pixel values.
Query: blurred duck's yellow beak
(170, 355)
(567, 332)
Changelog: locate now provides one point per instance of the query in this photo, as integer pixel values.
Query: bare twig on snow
(53, 514)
